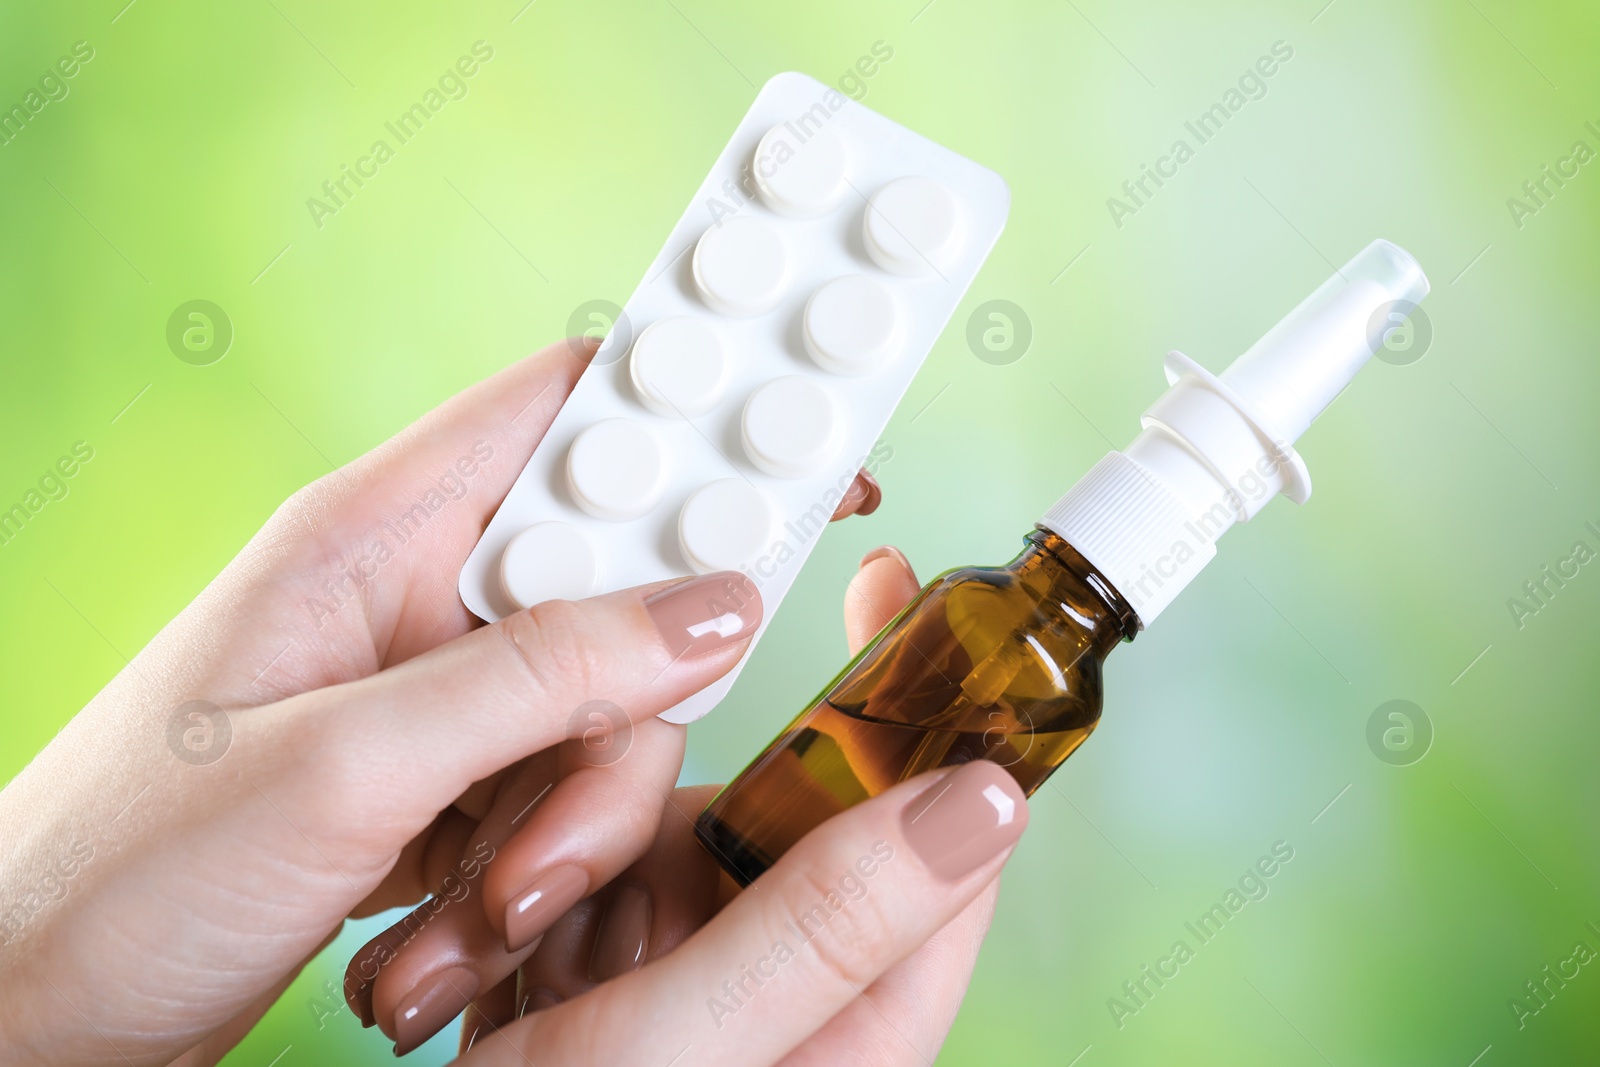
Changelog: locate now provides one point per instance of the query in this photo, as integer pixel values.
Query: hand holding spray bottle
(1004, 663)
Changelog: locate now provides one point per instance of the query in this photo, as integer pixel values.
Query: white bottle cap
(1215, 449)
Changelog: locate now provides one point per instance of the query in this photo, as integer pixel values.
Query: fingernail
(538, 1000)
(358, 988)
(359, 997)
(862, 498)
(874, 494)
(433, 1003)
(532, 911)
(705, 613)
(965, 820)
(624, 935)
(888, 552)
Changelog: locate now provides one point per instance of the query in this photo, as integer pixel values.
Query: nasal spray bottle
(1004, 663)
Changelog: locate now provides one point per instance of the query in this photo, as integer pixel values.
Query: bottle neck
(1073, 584)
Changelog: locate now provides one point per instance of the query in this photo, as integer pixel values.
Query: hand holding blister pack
(751, 372)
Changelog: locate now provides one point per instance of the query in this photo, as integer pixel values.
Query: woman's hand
(856, 947)
(325, 731)
(414, 978)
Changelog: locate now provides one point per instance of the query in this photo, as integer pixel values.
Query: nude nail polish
(538, 1000)
(431, 1005)
(706, 613)
(862, 498)
(853, 498)
(874, 494)
(965, 820)
(624, 935)
(888, 552)
(358, 995)
(544, 900)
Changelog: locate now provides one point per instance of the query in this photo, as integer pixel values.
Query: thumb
(880, 590)
(458, 713)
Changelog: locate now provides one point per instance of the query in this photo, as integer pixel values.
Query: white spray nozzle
(1293, 373)
(1215, 449)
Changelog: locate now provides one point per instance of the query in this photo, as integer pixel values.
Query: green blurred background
(1417, 904)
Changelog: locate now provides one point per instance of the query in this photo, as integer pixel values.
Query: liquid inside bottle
(996, 663)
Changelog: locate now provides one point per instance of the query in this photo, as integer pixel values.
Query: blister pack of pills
(752, 371)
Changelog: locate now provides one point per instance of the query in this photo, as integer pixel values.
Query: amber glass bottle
(997, 663)
(1003, 663)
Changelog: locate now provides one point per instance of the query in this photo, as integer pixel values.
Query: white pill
(791, 427)
(550, 561)
(852, 326)
(615, 470)
(725, 526)
(741, 267)
(679, 367)
(801, 175)
(914, 226)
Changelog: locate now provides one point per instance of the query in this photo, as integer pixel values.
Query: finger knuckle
(853, 938)
(308, 510)
(551, 644)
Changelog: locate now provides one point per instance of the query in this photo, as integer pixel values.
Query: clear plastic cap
(1296, 370)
